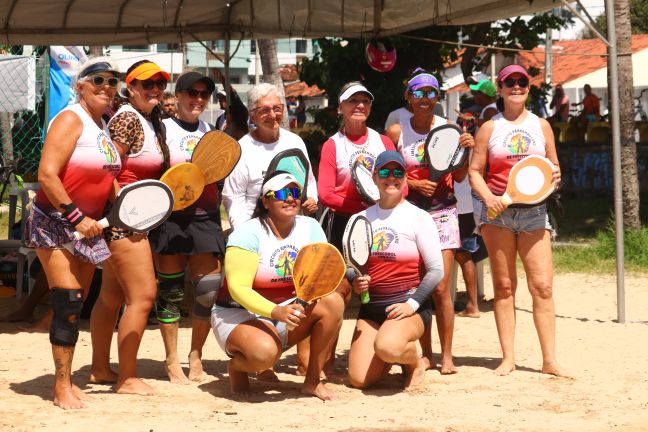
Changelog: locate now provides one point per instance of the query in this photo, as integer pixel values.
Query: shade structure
(123, 22)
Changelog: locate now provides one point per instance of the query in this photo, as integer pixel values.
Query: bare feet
(428, 363)
(175, 373)
(196, 372)
(505, 368)
(468, 313)
(553, 368)
(80, 394)
(134, 385)
(320, 390)
(447, 366)
(239, 382)
(415, 376)
(267, 375)
(65, 398)
(104, 377)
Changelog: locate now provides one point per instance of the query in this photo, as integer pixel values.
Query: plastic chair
(598, 133)
(642, 129)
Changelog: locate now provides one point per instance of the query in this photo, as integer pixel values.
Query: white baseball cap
(356, 88)
(278, 182)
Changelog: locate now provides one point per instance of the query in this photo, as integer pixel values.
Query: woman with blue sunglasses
(399, 309)
(252, 312)
(522, 230)
(437, 198)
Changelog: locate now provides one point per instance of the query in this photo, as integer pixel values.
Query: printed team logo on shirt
(366, 159)
(283, 259)
(382, 238)
(518, 142)
(107, 148)
(188, 144)
(417, 151)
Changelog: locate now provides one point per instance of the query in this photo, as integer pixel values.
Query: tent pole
(615, 121)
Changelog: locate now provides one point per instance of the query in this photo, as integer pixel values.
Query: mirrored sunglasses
(398, 173)
(420, 94)
(284, 193)
(99, 81)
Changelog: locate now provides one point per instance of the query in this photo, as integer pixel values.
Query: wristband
(72, 214)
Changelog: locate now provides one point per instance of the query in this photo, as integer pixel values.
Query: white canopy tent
(119, 22)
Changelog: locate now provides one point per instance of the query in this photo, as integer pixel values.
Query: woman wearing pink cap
(129, 276)
(437, 198)
(525, 230)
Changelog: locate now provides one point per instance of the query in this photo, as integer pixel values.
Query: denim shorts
(520, 220)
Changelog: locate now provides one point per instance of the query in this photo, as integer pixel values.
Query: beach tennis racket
(364, 183)
(530, 182)
(293, 161)
(442, 151)
(186, 181)
(317, 272)
(356, 247)
(139, 207)
(216, 154)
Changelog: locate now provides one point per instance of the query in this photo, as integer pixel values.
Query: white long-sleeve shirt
(243, 186)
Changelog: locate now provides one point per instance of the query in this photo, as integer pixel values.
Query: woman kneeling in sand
(391, 323)
(251, 314)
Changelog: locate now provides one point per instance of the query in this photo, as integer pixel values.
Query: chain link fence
(23, 79)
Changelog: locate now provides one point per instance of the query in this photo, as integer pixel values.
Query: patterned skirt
(48, 229)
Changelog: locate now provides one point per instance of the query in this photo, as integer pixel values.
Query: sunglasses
(99, 81)
(521, 82)
(265, 111)
(398, 173)
(284, 193)
(420, 94)
(149, 84)
(205, 94)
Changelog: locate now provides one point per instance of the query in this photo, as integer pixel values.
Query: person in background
(77, 172)
(221, 95)
(168, 105)
(485, 95)
(560, 105)
(237, 119)
(591, 111)
(522, 230)
(300, 112)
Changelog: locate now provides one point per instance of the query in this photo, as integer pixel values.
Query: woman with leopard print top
(129, 276)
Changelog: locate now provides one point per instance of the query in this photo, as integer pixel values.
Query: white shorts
(225, 319)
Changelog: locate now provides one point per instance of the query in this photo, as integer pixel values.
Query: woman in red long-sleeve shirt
(354, 141)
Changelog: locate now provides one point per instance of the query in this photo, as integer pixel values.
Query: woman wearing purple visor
(435, 197)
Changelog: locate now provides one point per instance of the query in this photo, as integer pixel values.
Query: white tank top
(509, 143)
(411, 143)
(346, 153)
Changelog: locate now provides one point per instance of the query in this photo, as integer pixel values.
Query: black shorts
(377, 314)
(188, 235)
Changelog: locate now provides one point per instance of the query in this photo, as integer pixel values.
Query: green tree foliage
(638, 20)
(335, 64)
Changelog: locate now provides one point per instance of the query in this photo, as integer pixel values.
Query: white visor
(353, 90)
(278, 182)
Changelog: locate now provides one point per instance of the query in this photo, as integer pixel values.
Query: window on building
(172, 47)
(217, 45)
(136, 48)
(300, 46)
(253, 46)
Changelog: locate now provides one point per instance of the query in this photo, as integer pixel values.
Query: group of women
(85, 162)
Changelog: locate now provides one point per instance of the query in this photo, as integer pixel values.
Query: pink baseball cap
(510, 70)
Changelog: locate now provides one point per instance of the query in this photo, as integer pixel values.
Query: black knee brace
(170, 295)
(66, 305)
(205, 292)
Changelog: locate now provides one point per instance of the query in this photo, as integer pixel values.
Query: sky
(594, 8)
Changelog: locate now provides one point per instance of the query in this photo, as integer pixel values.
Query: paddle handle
(504, 199)
(103, 222)
(291, 326)
(364, 297)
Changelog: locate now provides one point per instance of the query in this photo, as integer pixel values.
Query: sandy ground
(609, 392)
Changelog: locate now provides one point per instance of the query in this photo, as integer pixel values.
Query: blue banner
(63, 64)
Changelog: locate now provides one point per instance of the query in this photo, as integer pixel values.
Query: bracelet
(72, 214)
